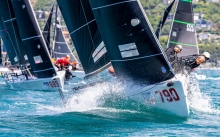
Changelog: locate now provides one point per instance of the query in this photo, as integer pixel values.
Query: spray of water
(199, 101)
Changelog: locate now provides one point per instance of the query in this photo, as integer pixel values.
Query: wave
(200, 102)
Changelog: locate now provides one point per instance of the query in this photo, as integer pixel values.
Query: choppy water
(103, 111)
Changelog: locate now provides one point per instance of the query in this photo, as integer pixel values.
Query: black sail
(0, 51)
(46, 30)
(61, 48)
(183, 30)
(163, 19)
(12, 55)
(33, 39)
(133, 48)
(86, 37)
(10, 23)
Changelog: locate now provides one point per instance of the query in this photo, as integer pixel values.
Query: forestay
(131, 43)
(163, 19)
(10, 24)
(33, 39)
(12, 55)
(86, 37)
(183, 30)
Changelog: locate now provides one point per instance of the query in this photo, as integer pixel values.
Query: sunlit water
(102, 110)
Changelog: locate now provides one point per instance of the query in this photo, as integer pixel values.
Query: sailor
(63, 62)
(171, 52)
(195, 60)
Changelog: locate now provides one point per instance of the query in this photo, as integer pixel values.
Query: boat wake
(200, 102)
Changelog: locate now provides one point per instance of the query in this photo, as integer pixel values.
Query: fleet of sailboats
(42, 74)
(105, 33)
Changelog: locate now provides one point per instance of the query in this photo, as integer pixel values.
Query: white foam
(200, 101)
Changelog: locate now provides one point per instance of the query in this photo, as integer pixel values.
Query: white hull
(49, 84)
(172, 100)
(78, 73)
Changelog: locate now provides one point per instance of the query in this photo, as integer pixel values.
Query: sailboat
(136, 55)
(42, 75)
(85, 35)
(183, 30)
(60, 47)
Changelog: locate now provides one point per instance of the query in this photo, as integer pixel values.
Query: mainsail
(12, 55)
(183, 30)
(61, 48)
(133, 48)
(163, 19)
(33, 39)
(46, 31)
(10, 24)
(86, 37)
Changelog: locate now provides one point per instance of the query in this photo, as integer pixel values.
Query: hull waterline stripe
(173, 42)
(138, 58)
(31, 37)
(9, 20)
(44, 70)
(113, 4)
(182, 22)
(82, 26)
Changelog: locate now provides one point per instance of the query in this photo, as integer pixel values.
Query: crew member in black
(195, 60)
(171, 52)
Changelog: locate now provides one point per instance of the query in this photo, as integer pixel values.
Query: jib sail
(133, 48)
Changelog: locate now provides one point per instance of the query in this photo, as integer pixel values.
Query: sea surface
(102, 111)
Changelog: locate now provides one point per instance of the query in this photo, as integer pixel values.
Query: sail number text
(169, 95)
(52, 84)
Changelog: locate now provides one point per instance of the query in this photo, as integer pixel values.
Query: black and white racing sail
(132, 45)
(12, 55)
(10, 24)
(33, 39)
(46, 30)
(61, 48)
(183, 30)
(163, 19)
(86, 37)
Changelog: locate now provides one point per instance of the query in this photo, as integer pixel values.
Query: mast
(85, 34)
(33, 40)
(132, 45)
(183, 30)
